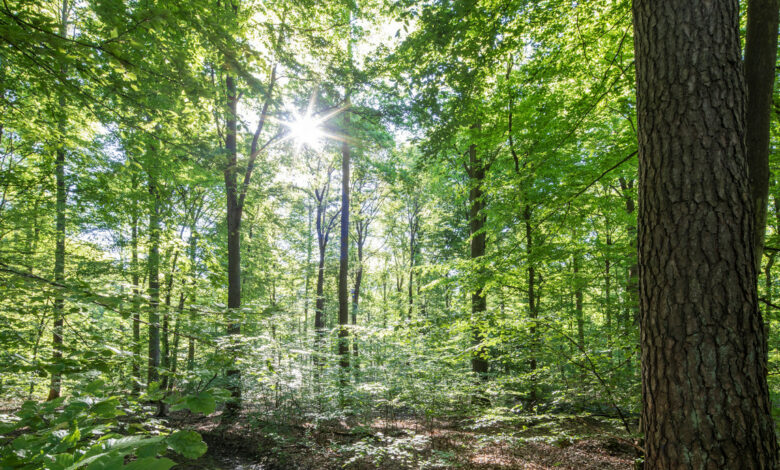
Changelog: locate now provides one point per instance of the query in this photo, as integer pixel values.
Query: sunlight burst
(305, 130)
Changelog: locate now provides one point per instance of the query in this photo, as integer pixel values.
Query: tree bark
(704, 389)
(578, 313)
(578, 296)
(165, 359)
(323, 227)
(344, 259)
(631, 312)
(608, 294)
(356, 294)
(307, 281)
(532, 310)
(136, 387)
(760, 59)
(234, 212)
(154, 281)
(412, 237)
(193, 274)
(768, 310)
(59, 249)
(477, 218)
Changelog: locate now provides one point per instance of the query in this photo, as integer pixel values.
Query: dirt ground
(546, 442)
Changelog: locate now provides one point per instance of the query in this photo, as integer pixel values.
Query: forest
(389, 234)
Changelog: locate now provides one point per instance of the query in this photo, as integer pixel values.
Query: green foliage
(85, 432)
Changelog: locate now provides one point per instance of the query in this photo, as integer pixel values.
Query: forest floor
(531, 443)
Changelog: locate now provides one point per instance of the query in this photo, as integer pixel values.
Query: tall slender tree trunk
(532, 310)
(768, 287)
(704, 389)
(154, 281)
(760, 59)
(59, 249)
(356, 294)
(477, 218)
(165, 359)
(319, 303)
(319, 306)
(193, 274)
(578, 313)
(307, 281)
(412, 240)
(136, 387)
(631, 312)
(234, 213)
(344, 258)
(608, 294)
(174, 362)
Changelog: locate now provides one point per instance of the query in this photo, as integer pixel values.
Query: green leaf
(203, 402)
(62, 461)
(150, 463)
(108, 408)
(151, 450)
(108, 461)
(187, 443)
(94, 387)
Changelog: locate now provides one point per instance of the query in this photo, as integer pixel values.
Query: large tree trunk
(59, 249)
(704, 389)
(760, 58)
(344, 259)
(476, 170)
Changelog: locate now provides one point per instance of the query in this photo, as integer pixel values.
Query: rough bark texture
(476, 170)
(704, 390)
(344, 258)
(760, 58)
